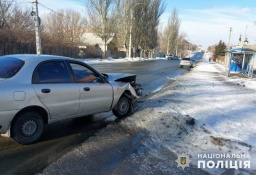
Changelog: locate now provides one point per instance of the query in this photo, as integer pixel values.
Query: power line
(24, 1)
(47, 7)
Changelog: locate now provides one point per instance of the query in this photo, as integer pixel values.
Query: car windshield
(9, 66)
(188, 59)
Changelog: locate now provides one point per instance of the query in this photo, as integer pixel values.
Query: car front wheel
(27, 128)
(123, 107)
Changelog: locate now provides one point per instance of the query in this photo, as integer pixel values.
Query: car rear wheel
(27, 128)
(123, 107)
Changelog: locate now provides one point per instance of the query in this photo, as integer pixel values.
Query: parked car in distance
(171, 57)
(39, 89)
(186, 62)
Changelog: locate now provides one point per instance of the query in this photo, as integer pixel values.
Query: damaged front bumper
(126, 78)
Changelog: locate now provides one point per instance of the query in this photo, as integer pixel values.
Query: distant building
(93, 46)
(244, 44)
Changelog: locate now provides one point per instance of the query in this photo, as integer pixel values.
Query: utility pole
(228, 59)
(168, 45)
(229, 37)
(130, 35)
(37, 28)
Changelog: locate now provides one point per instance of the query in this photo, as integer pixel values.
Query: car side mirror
(105, 79)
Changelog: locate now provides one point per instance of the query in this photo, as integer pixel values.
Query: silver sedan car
(186, 62)
(40, 89)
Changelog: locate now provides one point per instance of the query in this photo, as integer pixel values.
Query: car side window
(82, 73)
(52, 72)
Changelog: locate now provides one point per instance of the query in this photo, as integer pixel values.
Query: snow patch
(119, 60)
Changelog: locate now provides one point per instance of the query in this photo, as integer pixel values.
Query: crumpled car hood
(121, 77)
(128, 79)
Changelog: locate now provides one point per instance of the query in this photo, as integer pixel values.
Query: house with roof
(93, 46)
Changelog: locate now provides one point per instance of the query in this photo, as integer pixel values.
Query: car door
(95, 96)
(55, 88)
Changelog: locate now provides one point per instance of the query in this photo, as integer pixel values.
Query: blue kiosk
(240, 60)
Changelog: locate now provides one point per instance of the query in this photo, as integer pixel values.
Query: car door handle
(46, 91)
(87, 89)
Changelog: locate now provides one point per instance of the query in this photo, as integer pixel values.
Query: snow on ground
(120, 60)
(203, 112)
(223, 109)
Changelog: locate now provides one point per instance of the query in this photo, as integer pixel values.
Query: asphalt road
(152, 75)
(60, 137)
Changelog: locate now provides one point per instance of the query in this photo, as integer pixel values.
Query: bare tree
(5, 10)
(21, 24)
(16, 30)
(62, 29)
(53, 26)
(66, 26)
(73, 27)
(123, 23)
(139, 19)
(147, 37)
(101, 17)
(171, 32)
(181, 44)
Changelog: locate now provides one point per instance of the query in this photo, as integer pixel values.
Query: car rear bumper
(185, 64)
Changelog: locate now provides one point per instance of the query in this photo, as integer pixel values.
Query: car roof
(25, 57)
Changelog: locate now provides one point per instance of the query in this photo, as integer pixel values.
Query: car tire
(123, 107)
(181, 66)
(27, 128)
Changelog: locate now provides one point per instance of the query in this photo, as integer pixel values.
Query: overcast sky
(205, 22)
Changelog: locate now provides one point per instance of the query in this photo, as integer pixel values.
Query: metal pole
(252, 67)
(177, 49)
(130, 39)
(105, 53)
(228, 59)
(37, 29)
(229, 37)
(168, 43)
(243, 63)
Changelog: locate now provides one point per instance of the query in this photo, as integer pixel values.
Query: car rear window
(10, 66)
(188, 59)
